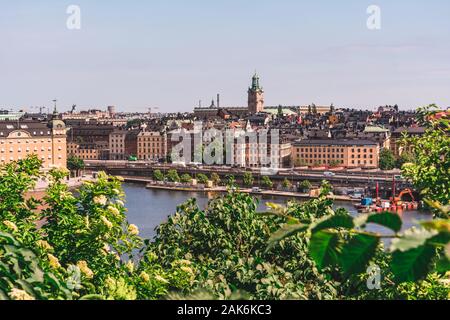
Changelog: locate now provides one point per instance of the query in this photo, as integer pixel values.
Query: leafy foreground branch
(67, 246)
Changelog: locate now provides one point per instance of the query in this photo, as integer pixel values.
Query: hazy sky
(172, 53)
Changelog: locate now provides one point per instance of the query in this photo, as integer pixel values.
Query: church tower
(255, 96)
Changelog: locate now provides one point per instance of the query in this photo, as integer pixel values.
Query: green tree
(417, 259)
(231, 181)
(430, 169)
(405, 157)
(227, 243)
(266, 182)
(286, 184)
(387, 160)
(202, 178)
(158, 175)
(84, 247)
(248, 179)
(305, 186)
(186, 178)
(215, 178)
(75, 165)
(172, 176)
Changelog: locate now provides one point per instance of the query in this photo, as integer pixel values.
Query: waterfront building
(123, 144)
(47, 140)
(345, 153)
(152, 145)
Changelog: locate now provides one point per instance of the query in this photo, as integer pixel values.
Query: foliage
(215, 178)
(405, 157)
(387, 160)
(342, 246)
(286, 184)
(158, 175)
(305, 186)
(231, 180)
(172, 176)
(22, 275)
(75, 164)
(431, 167)
(186, 178)
(226, 247)
(67, 246)
(248, 179)
(266, 182)
(202, 178)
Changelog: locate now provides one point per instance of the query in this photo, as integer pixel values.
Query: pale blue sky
(172, 53)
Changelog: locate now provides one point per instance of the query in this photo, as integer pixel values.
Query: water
(148, 208)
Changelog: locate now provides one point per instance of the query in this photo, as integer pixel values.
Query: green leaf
(447, 251)
(357, 253)
(286, 231)
(324, 248)
(411, 239)
(332, 222)
(443, 265)
(412, 265)
(387, 219)
(438, 225)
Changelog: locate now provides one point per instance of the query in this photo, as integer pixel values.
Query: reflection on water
(148, 208)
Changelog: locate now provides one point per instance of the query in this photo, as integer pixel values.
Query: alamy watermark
(374, 19)
(233, 147)
(374, 277)
(73, 22)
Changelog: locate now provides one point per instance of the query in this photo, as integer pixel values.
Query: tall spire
(255, 82)
(55, 111)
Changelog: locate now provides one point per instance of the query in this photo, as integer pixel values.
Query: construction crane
(398, 199)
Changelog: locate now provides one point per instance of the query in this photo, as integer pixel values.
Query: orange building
(345, 153)
(151, 145)
(46, 140)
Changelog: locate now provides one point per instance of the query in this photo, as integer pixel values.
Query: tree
(84, 247)
(215, 178)
(158, 175)
(305, 186)
(172, 176)
(387, 160)
(266, 182)
(202, 178)
(286, 184)
(75, 164)
(430, 169)
(231, 180)
(186, 178)
(248, 179)
(405, 157)
(227, 244)
(418, 258)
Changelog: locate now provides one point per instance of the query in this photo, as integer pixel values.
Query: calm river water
(149, 208)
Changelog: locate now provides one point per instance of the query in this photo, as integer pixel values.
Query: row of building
(307, 135)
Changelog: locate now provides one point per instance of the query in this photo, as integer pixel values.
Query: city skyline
(171, 55)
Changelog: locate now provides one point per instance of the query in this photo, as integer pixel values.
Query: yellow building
(151, 145)
(46, 140)
(345, 153)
